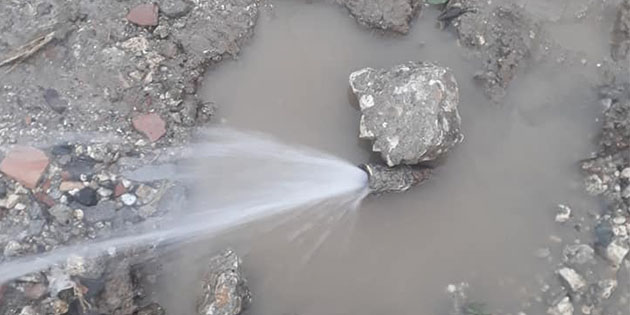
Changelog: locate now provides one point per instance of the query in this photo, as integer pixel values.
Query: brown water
(480, 219)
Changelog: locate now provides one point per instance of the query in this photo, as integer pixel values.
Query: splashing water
(236, 179)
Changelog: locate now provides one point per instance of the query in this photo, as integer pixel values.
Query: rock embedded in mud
(25, 164)
(617, 251)
(388, 15)
(400, 178)
(502, 34)
(409, 111)
(225, 290)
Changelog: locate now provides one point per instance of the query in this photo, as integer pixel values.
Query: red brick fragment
(25, 165)
(119, 190)
(151, 125)
(145, 14)
(45, 199)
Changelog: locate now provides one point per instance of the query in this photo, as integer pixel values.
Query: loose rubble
(408, 111)
(388, 15)
(400, 178)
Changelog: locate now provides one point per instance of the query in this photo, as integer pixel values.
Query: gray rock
(564, 307)
(389, 15)
(617, 251)
(409, 111)
(62, 213)
(225, 289)
(394, 179)
(103, 211)
(175, 8)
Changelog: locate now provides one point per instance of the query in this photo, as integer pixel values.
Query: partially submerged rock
(503, 35)
(394, 179)
(388, 15)
(408, 111)
(225, 289)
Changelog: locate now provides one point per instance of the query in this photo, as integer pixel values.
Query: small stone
(564, 307)
(151, 309)
(86, 196)
(12, 248)
(62, 213)
(70, 185)
(389, 15)
(575, 282)
(542, 253)
(224, 287)
(25, 164)
(62, 149)
(119, 189)
(616, 251)
(20, 206)
(128, 199)
(126, 183)
(563, 214)
(54, 101)
(144, 14)
(625, 173)
(145, 193)
(175, 8)
(578, 254)
(104, 192)
(606, 288)
(151, 125)
(10, 201)
(619, 220)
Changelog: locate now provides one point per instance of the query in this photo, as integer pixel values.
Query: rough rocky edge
(409, 111)
(388, 15)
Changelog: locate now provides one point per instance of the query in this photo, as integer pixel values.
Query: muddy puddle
(480, 219)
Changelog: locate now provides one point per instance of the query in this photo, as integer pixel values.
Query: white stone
(617, 251)
(563, 214)
(564, 307)
(572, 278)
(128, 199)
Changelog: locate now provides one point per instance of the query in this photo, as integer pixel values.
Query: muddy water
(480, 219)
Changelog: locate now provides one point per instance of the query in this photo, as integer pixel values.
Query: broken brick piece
(144, 15)
(25, 165)
(45, 199)
(151, 125)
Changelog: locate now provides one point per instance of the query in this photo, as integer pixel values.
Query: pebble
(25, 165)
(607, 287)
(20, 206)
(86, 196)
(145, 193)
(574, 280)
(104, 192)
(616, 251)
(625, 173)
(145, 14)
(62, 213)
(619, 220)
(128, 199)
(563, 214)
(12, 248)
(29, 310)
(9, 202)
(119, 190)
(564, 307)
(151, 125)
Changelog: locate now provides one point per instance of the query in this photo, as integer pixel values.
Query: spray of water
(236, 179)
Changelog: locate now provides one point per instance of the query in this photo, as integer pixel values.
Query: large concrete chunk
(409, 111)
(389, 15)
